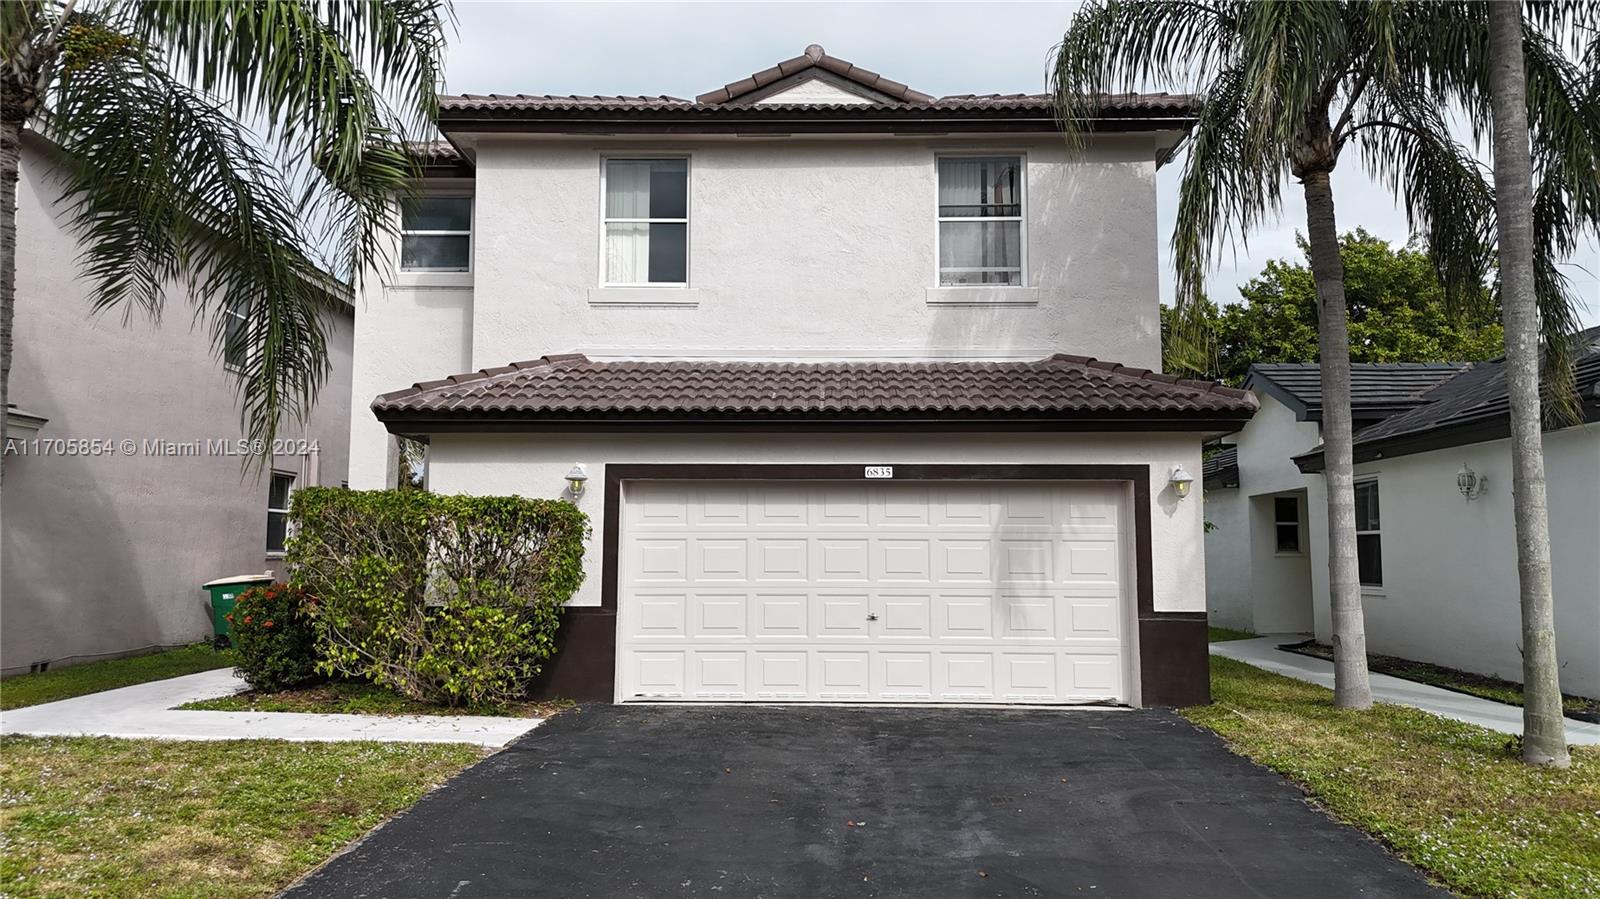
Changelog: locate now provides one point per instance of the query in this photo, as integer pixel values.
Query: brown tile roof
(1060, 388)
(815, 57)
(1110, 104)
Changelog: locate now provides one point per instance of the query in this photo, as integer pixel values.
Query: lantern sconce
(1470, 483)
(1181, 481)
(576, 478)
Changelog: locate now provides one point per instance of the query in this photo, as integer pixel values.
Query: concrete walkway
(1263, 652)
(148, 711)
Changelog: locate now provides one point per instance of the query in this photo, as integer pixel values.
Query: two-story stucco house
(857, 386)
(125, 489)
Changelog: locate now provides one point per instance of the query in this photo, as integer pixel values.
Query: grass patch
(1481, 685)
(93, 677)
(1449, 797)
(1224, 634)
(361, 698)
(106, 817)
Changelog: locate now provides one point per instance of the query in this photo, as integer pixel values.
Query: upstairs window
(1286, 519)
(436, 234)
(646, 222)
(1369, 545)
(278, 510)
(235, 335)
(980, 221)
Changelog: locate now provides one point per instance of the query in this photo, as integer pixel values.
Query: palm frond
(164, 189)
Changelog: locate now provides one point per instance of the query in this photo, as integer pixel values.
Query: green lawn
(1224, 634)
(65, 683)
(359, 698)
(1451, 798)
(103, 817)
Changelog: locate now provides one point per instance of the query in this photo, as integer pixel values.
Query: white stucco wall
(1253, 586)
(1229, 601)
(104, 554)
(1450, 592)
(534, 465)
(799, 249)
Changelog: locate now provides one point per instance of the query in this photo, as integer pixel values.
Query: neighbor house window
(980, 221)
(436, 234)
(1369, 546)
(278, 510)
(1286, 520)
(646, 222)
(235, 334)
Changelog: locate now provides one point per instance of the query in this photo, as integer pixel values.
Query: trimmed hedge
(452, 599)
(273, 636)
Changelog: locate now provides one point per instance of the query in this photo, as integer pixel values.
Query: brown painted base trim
(584, 666)
(1174, 661)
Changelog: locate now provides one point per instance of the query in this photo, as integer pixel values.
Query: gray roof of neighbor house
(738, 107)
(1059, 392)
(1377, 389)
(1471, 407)
(1221, 468)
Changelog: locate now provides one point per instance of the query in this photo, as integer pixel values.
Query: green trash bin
(224, 593)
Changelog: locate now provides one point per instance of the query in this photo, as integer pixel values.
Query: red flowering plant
(272, 633)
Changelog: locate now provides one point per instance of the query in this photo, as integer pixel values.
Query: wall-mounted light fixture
(1181, 481)
(1470, 483)
(576, 478)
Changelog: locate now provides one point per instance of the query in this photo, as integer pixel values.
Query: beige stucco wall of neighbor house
(535, 465)
(1251, 585)
(104, 554)
(798, 249)
(1450, 592)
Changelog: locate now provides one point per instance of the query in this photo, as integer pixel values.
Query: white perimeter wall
(1229, 601)
(1450, 591)
(534, 465)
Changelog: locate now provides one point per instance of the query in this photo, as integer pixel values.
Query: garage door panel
(841, 615)
(782, 559)
(883, 592)
(841, 560)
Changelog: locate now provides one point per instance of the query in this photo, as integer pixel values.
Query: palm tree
(166, 185)
(1286, 88)
(1544, 729)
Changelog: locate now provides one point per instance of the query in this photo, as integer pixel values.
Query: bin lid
(265, 578)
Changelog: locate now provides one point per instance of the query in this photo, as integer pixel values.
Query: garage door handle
(872, 616)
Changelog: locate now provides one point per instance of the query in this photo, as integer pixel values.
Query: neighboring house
(105, 549)
(821, 346)
(1438, 569)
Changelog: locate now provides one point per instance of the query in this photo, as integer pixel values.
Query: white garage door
(895, 592)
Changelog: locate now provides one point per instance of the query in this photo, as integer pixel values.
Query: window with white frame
(235, 334)
(278, 510)
(1369, 545)
(436, 234)
(980, 221)
(1286, 521)
(646, 222)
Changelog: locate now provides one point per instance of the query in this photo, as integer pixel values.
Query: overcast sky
(684, 49)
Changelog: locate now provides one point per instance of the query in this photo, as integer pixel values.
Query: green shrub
(273, 636)
(451, 599)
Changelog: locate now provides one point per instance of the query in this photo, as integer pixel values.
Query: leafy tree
(1288, 88)
(168, 185)
(1398, 313)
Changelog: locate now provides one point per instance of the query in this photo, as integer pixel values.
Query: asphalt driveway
(746, 802)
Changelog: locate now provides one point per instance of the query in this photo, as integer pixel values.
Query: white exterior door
(872, 591)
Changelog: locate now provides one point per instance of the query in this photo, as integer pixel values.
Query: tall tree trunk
(1544, 740)
(10, 166)
(1351, 688)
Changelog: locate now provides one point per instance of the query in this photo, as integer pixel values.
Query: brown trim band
(401, 423)
(1173, 656)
